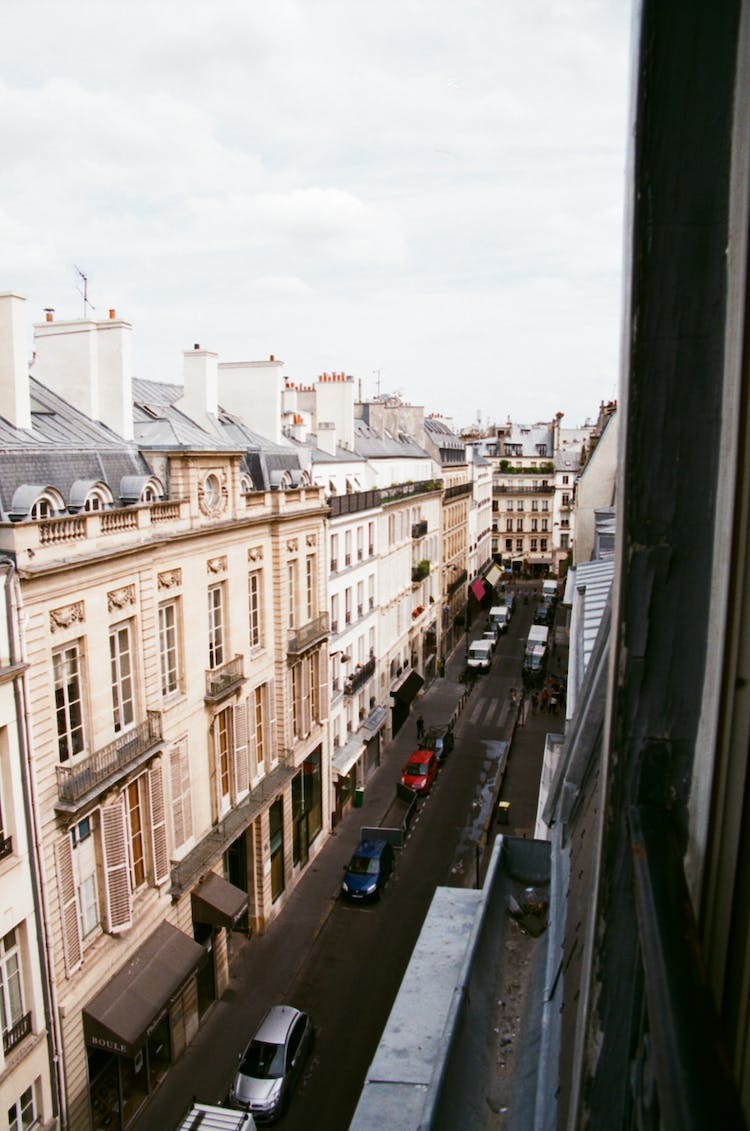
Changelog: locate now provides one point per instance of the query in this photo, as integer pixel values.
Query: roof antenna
(85, 292)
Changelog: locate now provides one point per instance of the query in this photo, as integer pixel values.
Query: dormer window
(35, 502)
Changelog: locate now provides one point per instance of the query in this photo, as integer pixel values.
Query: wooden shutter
(241, 763)
(269, 720)
(66, 886)
(159, 850)
(179, 775)
(322, 677)
(116, 870)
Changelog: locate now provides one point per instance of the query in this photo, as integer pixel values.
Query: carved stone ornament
(170, 579)
(213, 495)
(292, 546)
(216, 565)
(311, 539)
(255, 554)
(121, 598)
(69, 614)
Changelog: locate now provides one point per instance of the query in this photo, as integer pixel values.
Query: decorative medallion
(170, 579)
(216, 565)
(292, 546)
(312, 540)
(121, 598)
(64, 617)
(255, 554)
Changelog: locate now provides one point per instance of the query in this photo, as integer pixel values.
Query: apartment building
(28, 1071)
(171, 568)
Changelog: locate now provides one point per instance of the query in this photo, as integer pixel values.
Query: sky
(427, 195)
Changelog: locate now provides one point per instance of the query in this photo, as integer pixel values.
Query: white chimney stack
(252, 391)
(200, 397)
(14, 374)
(89, 365)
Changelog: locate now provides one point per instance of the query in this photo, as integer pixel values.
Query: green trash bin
(359, 796)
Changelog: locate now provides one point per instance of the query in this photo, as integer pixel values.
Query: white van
(209, 1117)
(500, 617)
(549, 591)
(480, 655)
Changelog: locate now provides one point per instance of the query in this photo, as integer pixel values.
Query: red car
(420, 771)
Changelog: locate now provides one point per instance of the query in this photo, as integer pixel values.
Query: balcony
(105, 766)
(222, 681)
(16, 1033)
(457, 490)
(359, 677)
(351, 503)
(419, 529)
(458, 582)
(420, 571)
(313, 632)
(502, 489)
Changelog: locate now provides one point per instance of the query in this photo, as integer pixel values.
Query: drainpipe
(22, 721)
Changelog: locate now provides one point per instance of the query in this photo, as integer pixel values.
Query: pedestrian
(544, 699)
(534, 702)
(553, 704)
(420, 728)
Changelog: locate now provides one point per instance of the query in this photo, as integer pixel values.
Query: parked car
(272, 1063)
(420, 771)
(439, 737)
(367, 872)
(491, 634)
(544, 614)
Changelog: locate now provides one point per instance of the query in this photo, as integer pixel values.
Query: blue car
(368, 870)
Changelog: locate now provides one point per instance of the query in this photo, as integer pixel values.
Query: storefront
(135, 1027)
(403, 696)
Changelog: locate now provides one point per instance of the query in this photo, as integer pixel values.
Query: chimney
(89, 364)
(15, 402)
(252, 390)
(334, 401)
(200, 397)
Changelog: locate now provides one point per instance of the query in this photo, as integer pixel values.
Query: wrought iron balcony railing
(223, 679)
(301, 639)
(105, 765)
(16, 1033)
(360, 676)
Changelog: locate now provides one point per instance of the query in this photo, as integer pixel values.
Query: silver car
(272, 1063)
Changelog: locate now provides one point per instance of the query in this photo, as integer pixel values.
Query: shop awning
(345, 756)
(478, 589)
(217, 902)
(119, 1018)
(493, 574)
(376, 720)
(408, 688)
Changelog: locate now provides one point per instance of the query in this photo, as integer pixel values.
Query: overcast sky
(426, 195)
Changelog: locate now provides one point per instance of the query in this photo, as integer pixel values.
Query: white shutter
(179, 774)
(269, 720)
(322, 676)
(116, 871)
(241, 764)
(66, 886)
(159, 850)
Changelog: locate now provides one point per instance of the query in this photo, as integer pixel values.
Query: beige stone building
(175, 628)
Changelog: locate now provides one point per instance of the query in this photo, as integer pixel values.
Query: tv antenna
(85, 292)
(377, 383)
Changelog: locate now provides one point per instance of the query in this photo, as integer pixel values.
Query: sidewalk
(265, 967)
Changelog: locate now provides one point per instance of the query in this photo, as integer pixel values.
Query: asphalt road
(352, 973)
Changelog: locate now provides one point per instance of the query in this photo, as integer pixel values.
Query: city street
(343, 963)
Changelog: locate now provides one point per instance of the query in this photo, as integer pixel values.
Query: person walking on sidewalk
(420, 728)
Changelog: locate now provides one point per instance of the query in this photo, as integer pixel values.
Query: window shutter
(269, 719)
(159, 850)
(305, 673)
(321, 672)
(179, 773)
(241, 763)
(116, 870)
(66, 886)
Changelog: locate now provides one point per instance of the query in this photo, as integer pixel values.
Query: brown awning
(217, 902)
(121, 1015)
(408, 688)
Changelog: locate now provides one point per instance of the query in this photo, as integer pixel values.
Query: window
(334, 612)
(535, 504)
(348, 548)
(519, 544)
(566, 479)
(212, 491)
(292, 596)
(179, 775)
(84, 876)
(310, 587)
(260, 745)
(509, 544)
(334, 553)
(22, 1113)
(509, 524)
(215, 626)
(544, 523)
(223, 734)
(564, 541)
(545, 504)
(509, 505)
(519, 524)
(566, 499)
(371, 538)
(168, 648)
(136, 827)
(535, 524)
(543, 544)
(533, 543)
(121, 670)
(68, 707)
(11, 991)
(360, 543)
(254, 581)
